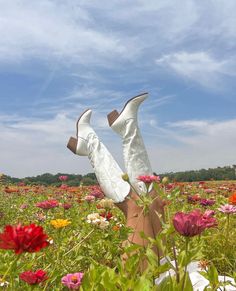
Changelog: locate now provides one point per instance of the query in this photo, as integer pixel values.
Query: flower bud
(165, 180)
(125, 177)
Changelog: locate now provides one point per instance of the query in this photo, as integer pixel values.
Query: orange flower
(11, 190)
(116, 227)
(232, 199)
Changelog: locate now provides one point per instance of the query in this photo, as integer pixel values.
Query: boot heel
(112, 116)
(72, 144)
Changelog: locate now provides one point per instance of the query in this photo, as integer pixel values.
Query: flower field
(62, 238)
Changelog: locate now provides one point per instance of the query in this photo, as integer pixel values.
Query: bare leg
(140, 222)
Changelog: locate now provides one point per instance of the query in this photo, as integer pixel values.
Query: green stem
(185, 268)
(11, 267)
(227, 230)
(227, 237)
(58, 260)
(175, 259)
(78, 244)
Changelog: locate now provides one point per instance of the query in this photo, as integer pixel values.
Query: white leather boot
(106, 169)
(135, 155)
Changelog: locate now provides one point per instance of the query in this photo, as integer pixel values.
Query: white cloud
(30, 147)
(33, 147)
(200, 67)
(49, 29)
(197, 144)
(82, 32)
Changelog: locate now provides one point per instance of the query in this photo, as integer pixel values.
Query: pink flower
(227, 208)
(47, 204)
(148, 179)
(193, 223)
(21, 184)
(23, 206)
(64, 187)
(63, 178)
(72, 281)
(89, 198)
(208, 218)
(208, 213)
(209, 191)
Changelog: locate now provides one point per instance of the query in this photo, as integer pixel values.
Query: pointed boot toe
(117, 120)
(79, 145)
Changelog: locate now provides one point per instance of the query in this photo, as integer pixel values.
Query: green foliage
(84, 247)
(53, 180)
(219, 173)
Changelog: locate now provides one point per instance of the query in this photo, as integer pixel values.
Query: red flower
(67, 206)
(194, 222)
(194, 198)
(107, 215)
(33, 278)
(47, 204)
(29, 238)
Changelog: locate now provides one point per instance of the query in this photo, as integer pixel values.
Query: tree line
(219, 173)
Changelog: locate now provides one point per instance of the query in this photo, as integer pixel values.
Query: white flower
(50, 241)
(96, 219)
(106, 203)
(103, 223)
(3, 283)
(93, 216)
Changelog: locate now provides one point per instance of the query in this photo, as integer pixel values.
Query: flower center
(74, 279)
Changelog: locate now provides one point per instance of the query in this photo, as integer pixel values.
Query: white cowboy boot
(135, 155)
(106, 169)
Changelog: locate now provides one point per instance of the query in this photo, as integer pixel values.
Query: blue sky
(58, 58)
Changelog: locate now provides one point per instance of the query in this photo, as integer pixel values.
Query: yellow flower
(59, 223)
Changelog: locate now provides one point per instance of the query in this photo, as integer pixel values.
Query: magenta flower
(227, 208)
(193, 223)
(72, 281)
(97, 194)
(207, 202)
(63, 178)
(148, 179)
